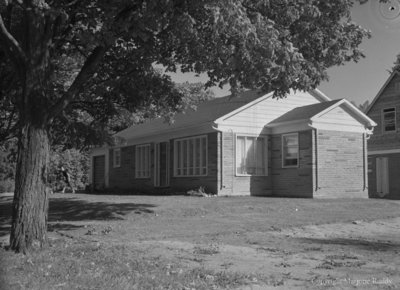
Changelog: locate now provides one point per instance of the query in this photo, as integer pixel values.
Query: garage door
(99, 163)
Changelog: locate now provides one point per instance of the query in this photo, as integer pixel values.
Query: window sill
(250, 175)
(290, 166)
(180, 176)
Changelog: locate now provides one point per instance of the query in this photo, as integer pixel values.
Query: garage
(99, 164)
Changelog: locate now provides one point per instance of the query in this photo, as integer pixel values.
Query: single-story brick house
(384, 145)
(305, 145)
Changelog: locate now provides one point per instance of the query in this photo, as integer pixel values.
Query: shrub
(7, 185)
(7, 166)
(75, 161)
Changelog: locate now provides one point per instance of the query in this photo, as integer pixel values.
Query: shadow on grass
(359, 243)
(52, 227)
(68, 209)
(74, 209)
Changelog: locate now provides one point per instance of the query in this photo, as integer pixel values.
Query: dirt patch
(342, 255)
(355, 243)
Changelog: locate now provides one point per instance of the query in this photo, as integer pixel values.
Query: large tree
(271, 45)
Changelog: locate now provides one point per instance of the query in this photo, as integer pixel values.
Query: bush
(75, 161)
(7, 166)
(7, 185)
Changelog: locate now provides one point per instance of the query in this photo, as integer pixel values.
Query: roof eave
(249, 104)
(320, 94)
(273, 125)
(395, 72)
(191, 128)
(358, 112)
(368, 122)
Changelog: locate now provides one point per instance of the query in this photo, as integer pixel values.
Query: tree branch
(9, 16)
(11, 45)
(84, 75)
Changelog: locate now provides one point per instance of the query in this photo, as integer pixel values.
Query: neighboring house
(384, 145)
(305, 145)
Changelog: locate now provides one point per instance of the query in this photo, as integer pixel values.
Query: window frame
(265, 148)
(283, 150)
(115, 163)
(383, 121)
(139, 170)
(202, 166)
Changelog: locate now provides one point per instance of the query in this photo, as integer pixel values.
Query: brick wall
(394, 174)
(293, 182)
(341, 168)
(210, 182)
(123, 177)
(230, 184)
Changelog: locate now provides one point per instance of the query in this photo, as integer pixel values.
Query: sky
(360, 81)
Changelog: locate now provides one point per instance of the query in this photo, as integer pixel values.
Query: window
(389, 120)
(251, 155)
(117, 157)
(142, 164)
(190, 156)
(290, 150)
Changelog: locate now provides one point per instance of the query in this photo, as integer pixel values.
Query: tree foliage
(7, 166)
(77, 64)
(98, 56)
(76, 161)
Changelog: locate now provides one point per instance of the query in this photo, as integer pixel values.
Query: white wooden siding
(267, 110)
(338, 116)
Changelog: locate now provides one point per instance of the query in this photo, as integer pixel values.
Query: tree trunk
(30, 205)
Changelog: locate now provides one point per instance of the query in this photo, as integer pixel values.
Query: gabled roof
(303, 113)
(206, 112)
(394, 73)
(312, 112)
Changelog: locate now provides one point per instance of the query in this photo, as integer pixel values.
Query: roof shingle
(206, 112)
(303, 113)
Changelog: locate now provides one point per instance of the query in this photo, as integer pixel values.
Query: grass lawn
(179, 242)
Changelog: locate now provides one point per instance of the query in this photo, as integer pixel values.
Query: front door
(382, 176)
(161, 164)
(99, 164)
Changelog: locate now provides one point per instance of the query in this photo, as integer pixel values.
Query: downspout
(222, 160)
(221, 163)
(316, 160)
(365, 161)
(234, 161)
(215, 127)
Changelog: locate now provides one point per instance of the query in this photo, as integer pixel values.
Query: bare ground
(286, 243)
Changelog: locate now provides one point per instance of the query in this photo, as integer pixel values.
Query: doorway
(99, 173)
(382, 176)
(161, 164)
